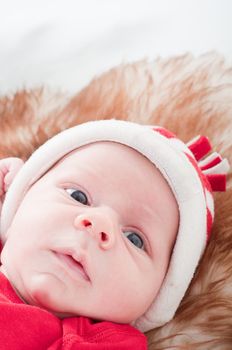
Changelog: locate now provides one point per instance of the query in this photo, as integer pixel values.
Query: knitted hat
(190, 178)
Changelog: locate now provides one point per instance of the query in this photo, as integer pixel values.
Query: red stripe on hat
(200, 147)
(209, 224)
(217, 182)
(168, 134)
(211, 164)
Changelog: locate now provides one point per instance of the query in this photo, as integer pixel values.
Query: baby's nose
(100, 223)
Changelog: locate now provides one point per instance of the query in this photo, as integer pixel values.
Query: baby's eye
(135, 239)
(78, 195)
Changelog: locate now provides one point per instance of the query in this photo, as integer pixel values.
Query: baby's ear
(9, 168)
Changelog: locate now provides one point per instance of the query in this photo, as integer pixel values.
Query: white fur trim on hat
(178, 165)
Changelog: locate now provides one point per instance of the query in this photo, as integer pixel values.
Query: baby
(102, 229)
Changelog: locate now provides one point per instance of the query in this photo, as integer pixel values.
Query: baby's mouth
(73, 265)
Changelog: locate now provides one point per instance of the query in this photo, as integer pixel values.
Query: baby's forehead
(103, 151)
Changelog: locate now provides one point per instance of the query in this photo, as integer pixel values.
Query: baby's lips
(79, 259)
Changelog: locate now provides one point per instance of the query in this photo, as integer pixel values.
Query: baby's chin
(41, 290)
(46, 291)
(44, 300)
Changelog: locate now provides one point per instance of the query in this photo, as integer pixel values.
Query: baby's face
(94, 235)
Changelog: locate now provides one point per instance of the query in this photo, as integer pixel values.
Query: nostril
(104, 236)
(86, 223)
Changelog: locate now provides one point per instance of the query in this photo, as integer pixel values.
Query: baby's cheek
(130, 300)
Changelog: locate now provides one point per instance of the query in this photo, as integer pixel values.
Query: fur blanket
(189, 96)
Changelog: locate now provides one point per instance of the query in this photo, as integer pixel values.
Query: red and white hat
(191, 176)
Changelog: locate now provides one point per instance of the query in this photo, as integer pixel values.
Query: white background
(65, 43)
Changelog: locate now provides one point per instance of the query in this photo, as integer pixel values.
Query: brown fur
(189, 96)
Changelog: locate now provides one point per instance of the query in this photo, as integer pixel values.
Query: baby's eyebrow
(149, 212)
(144, 218)
(76, 171)
(87, 169)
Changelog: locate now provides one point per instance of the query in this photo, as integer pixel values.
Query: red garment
(27, 327)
